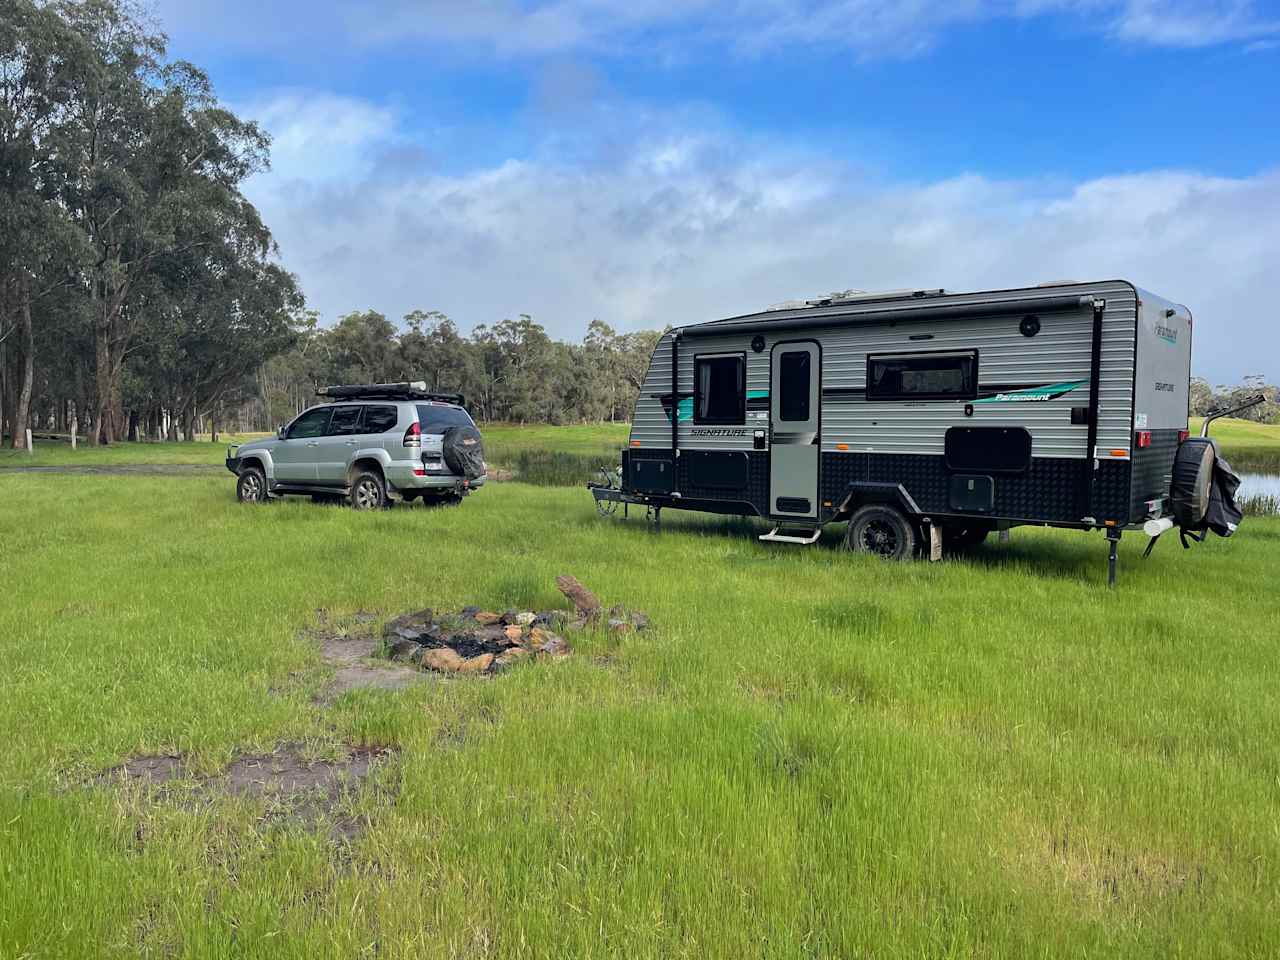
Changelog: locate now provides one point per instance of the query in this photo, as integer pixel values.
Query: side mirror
(280, 433)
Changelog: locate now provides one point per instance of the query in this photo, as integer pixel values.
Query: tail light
(1144, 439)
(1183, 434)
(413, 436)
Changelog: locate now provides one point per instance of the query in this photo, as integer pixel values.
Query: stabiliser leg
(1113, 543)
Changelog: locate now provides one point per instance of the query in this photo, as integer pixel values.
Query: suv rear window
(437, 419)
(379, 419)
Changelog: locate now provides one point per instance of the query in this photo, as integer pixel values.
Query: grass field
(809, 755)
(1250, 446)
(504, 443)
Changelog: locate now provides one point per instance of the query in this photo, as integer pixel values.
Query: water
(1259, 484)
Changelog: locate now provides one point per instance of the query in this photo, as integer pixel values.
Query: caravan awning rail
(838, 316)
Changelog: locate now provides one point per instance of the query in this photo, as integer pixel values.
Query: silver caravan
(924, 418)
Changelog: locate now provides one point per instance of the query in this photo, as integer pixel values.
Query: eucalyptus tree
(38, 245)
(156, 166)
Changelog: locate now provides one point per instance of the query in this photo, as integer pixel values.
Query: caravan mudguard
(862, 492)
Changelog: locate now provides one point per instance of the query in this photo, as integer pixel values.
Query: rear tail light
(419, 471)
(1144, 439)
(1183, 434)
(413, 436)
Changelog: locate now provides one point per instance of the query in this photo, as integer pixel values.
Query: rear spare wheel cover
(1192, 479)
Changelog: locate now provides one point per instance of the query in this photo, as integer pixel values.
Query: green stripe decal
(1050, 391)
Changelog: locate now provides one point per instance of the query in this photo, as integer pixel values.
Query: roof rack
(408, 390)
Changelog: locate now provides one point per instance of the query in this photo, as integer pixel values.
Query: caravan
(926, 419)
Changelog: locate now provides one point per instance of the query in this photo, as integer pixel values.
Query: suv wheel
(251, 485)
(882, 531)
(368, 492)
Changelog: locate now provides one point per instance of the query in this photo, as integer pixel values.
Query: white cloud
(1170, 23)
(870, 28)
(679, 227)
(320, 136)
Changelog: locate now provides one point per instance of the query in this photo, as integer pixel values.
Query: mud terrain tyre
(882, 531)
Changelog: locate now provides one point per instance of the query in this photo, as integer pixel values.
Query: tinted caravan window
(793, 392)
(922, 376)
(719, 390)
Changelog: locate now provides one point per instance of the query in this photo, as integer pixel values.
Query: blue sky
(652, 162)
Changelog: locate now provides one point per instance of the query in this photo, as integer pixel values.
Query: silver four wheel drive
(370, 444)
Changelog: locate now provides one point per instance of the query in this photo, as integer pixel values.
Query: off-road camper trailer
(922, 417)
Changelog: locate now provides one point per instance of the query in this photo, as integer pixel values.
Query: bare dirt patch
(296, 789)
(1099, 871)
(124, 469)
(357, 656)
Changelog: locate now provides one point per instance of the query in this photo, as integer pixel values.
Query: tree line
(1206, 398)
(138, 286)
(512, 371)
(140, 292)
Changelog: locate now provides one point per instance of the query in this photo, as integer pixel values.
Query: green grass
(503, 445)
(504, 442)
(56, 453)
(811, 754)
(1253, 447)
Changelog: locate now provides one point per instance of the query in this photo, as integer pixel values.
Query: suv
(370, 444)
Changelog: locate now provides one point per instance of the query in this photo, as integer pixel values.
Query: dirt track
(125, 469)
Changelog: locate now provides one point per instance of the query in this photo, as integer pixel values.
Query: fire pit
(478, 641)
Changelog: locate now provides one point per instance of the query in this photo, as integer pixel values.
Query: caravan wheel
(882, 531)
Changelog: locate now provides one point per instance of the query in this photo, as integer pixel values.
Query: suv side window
(313, 423)
(346, 421)
(379, 419)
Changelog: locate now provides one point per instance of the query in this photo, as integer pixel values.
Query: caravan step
(802, 537)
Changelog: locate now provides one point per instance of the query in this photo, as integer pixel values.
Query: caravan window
(793, 388)
(720, 389)
(923, 376)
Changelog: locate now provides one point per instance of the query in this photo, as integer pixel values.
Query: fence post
(75, 424)
(28, 442)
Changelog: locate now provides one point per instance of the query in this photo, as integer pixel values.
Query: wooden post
(75, 424)
(28, 441)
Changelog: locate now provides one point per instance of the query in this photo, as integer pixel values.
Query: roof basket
(408, 390)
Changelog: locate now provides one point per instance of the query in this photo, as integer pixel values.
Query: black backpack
(1204, 491)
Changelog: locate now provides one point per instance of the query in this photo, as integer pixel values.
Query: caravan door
(795, 397)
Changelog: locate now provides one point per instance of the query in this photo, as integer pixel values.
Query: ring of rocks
(478, 641)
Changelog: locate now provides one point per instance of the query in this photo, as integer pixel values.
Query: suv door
(295, 456)
(337, 445)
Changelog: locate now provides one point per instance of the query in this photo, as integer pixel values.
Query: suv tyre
(368, 490)
(251, 485)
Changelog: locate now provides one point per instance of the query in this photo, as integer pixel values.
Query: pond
(1260, 485)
